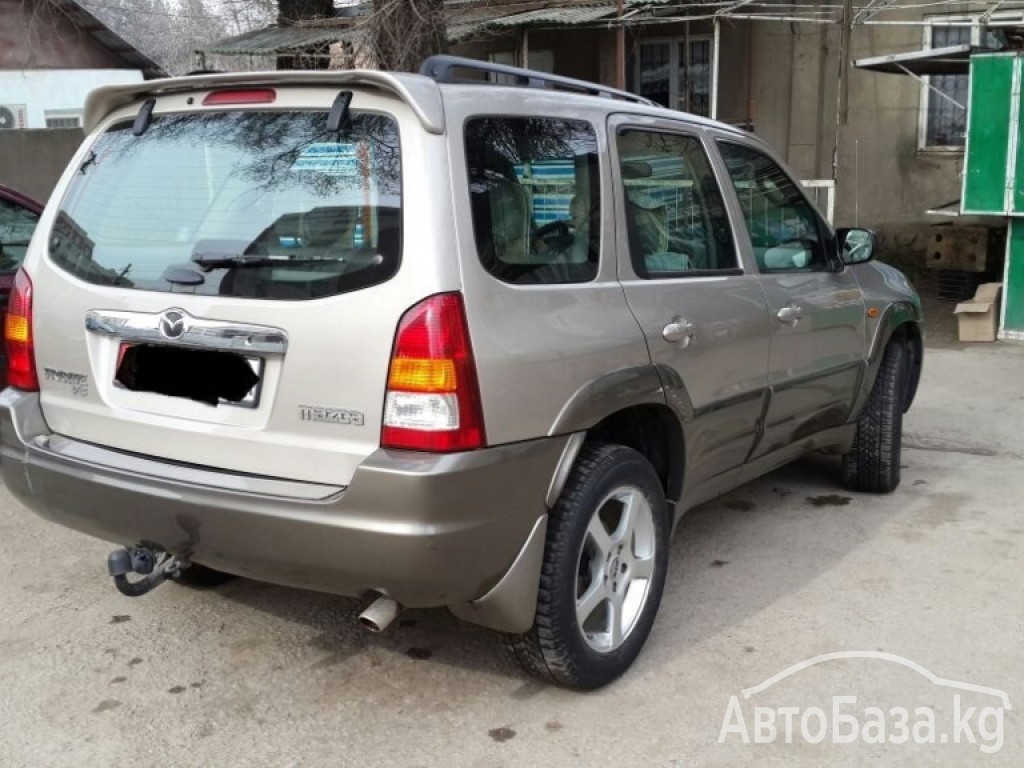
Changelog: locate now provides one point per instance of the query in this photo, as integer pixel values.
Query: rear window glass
(536, 200)
(249, 204)
(675, 215)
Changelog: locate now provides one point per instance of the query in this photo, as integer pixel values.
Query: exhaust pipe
(379, 614)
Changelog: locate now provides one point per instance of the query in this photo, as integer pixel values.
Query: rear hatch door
(223, 289)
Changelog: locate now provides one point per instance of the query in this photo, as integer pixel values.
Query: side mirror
(855, 246)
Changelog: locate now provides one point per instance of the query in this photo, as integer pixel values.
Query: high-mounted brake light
(21, 355)
(240, 96)
(433, 399)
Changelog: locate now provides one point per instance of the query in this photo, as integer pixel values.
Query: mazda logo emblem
(172, 324)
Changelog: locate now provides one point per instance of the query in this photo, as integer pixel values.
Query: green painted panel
(988, 133)
(1018, 180)
(1013, 291)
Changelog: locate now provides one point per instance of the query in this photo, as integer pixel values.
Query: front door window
(784, 228)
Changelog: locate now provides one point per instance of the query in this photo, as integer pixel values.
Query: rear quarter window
(535, 195)
(265, 205)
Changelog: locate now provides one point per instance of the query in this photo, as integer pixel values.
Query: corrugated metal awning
(463, 26)
(952, 60)
(567, 15)
(274, 40)
(465, 20)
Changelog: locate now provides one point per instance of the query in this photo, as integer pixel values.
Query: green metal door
(992, 145)
(1013, 290)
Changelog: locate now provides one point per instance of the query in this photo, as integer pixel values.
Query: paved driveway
(773, 574)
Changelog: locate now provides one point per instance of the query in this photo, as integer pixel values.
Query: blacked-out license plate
(205, 375)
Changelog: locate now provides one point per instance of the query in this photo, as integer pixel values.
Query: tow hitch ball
(156, 568)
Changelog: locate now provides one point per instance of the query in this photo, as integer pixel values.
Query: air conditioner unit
(13, 116)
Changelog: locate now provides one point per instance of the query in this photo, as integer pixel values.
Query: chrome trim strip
(197, 332)
(109, 461)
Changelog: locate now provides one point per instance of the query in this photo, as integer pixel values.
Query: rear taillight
(21, 355)
(433, 399)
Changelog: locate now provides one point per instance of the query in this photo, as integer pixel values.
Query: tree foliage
(168, 31)
(402, 33)
(397, 36)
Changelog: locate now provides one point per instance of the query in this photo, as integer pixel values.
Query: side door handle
(679, 332)
(790, 315)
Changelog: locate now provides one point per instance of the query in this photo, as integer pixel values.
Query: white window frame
(674, 44)
(62, 114)
(541, 60)
(972, 20)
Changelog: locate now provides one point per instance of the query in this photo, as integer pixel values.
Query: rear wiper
(217, 261)
(214, 261)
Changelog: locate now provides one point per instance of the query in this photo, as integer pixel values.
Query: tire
(873, 463)
(198, 576)
(579, 565)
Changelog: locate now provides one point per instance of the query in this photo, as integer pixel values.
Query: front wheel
(873, 463)
(604, 569)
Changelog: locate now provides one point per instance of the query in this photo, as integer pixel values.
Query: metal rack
(442, 69)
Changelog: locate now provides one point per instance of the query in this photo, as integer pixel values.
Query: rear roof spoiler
(421, 94)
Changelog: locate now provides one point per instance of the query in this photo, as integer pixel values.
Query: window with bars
(944, 103)
(675, 73)
(538, 61)
(946, 123)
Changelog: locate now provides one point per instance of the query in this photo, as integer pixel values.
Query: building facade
(891, 146)
(52, 53)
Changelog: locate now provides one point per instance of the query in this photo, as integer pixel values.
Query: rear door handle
(679, 332)
(790, 315)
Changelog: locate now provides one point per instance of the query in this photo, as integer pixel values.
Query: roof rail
(440, 68)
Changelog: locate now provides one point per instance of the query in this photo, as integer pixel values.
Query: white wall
(56, 89)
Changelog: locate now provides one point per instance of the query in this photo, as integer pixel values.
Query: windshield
(250, 204)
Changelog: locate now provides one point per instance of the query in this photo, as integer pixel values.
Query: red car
(19, 215)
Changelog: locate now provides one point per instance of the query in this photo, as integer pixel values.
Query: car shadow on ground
(729, 559)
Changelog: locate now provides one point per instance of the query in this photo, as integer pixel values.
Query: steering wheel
(555, 235)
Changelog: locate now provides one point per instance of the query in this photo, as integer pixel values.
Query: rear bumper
(426, 529)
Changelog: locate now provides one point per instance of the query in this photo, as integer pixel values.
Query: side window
(536, 199)
(675, 216)
(784, 227)
(16, 227)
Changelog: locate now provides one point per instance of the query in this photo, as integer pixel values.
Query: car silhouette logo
(172, 324)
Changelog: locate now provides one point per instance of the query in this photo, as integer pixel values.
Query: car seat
(509, 205)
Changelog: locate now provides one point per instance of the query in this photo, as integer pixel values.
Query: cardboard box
(979, 317)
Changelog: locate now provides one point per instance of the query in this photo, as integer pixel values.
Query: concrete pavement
(775, 573)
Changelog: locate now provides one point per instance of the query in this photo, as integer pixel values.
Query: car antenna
(337, 118)
(144, 118)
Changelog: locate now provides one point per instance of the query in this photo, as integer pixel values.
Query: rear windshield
(250, 204)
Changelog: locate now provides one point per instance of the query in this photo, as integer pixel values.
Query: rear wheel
(873, 463)
(604, 570)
